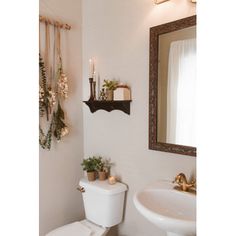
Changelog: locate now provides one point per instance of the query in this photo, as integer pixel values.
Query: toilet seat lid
(73, 229)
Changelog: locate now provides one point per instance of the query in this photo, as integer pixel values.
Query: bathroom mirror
(172, 80)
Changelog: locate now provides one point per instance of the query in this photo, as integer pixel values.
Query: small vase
(109, 95)
(91, 176)
(102, 175)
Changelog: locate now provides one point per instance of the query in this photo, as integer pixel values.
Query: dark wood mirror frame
(153, 86)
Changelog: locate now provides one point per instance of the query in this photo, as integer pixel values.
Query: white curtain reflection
(181, 93)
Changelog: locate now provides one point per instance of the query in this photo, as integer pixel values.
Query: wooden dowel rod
(53, 22)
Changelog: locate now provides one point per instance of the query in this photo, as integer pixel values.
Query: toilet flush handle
(81, 189)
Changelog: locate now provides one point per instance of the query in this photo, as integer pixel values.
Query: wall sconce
(160, 1)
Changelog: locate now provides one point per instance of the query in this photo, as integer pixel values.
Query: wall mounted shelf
(109, 106)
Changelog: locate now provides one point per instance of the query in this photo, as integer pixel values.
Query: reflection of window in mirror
(176, 87)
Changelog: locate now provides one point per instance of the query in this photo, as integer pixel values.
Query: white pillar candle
(94, 69)
(98, 84)
(91, 68)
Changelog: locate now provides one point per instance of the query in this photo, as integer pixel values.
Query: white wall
(60, 169)
(116, 33)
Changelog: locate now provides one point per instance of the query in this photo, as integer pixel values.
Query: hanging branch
(62, 80)
(60, 128)
(43, 72)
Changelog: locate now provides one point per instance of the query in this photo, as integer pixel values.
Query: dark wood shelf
(109, 105)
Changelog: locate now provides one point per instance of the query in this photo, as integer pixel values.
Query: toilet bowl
(79, 228)
(103, 204)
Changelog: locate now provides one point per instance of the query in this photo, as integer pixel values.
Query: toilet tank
(103, 203)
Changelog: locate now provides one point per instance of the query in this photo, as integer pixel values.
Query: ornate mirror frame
(153, 86)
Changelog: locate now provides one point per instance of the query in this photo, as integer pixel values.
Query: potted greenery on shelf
(110, 86)
(89, 165)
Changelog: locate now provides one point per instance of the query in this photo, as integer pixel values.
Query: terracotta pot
(109, 94)
(102, 175)
(91, 176)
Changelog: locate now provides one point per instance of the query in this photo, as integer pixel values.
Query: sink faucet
(183, 184)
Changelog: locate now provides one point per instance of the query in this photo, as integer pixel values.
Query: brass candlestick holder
(94, 90)
(91, 90)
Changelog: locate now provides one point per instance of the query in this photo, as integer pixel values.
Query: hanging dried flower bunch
(62, 84)
(60, 129)
(50, 93)
(51, 98)
(62, 78)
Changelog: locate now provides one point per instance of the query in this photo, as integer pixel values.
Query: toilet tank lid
(103, 186)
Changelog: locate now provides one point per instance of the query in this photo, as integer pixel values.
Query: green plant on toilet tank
(96, 164)
(100, 168)
(89, 165)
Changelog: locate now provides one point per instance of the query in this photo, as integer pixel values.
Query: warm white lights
(160, 1)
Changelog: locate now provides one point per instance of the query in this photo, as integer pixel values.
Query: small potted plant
(89, 165)
(110, 86)
(100, 167)
(107, 166)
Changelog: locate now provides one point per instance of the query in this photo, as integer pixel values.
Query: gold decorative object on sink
(183, 184)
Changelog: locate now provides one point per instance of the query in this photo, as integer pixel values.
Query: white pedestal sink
(171, 210)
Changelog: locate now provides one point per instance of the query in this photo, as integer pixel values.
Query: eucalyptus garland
(45, 140)
(41, 101)
(43, 72)
(43, 90)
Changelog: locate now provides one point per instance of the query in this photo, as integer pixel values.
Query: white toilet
(103, 203)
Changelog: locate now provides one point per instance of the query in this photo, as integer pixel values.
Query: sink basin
(171, 210)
